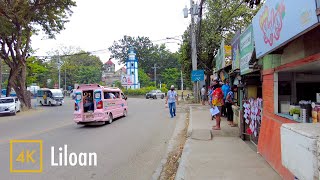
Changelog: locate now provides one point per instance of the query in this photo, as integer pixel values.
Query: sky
(96, 24)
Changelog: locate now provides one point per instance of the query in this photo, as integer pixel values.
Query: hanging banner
(235, 54)
(223, 57)
(220, 62)
(279, 21)
(246, 49)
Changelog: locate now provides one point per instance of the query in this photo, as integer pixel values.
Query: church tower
(132, 69)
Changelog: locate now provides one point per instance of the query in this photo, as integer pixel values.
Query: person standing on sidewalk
(171, 100)
(225, 89)
(203, 95)
(229, 102)
(217, 100)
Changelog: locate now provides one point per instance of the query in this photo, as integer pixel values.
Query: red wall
(269, 138)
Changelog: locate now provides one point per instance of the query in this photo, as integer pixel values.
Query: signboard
(223, 57)
(126, 80)
(220, 58)
(246, 49)
(235, 54)
(227, 55)
(197, 75)
(279, 21)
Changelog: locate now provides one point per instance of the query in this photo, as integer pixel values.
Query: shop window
(296, 90)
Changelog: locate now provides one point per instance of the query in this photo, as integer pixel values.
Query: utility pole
(194, 9)
(155, 73)
(65, 80)
(181, 85)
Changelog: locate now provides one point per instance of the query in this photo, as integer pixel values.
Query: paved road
(129, 148)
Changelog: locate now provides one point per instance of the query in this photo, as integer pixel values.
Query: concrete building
(109, 75)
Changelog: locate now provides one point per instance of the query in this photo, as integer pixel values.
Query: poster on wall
(279, 21)
(126, 80)
(246, 49)
(235, 54)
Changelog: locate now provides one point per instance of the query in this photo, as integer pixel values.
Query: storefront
(287, 43)
(250, 88)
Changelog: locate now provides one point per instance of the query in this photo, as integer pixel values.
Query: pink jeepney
(95, 104)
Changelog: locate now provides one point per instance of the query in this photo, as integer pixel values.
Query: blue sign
(279, 21)
(197, 75)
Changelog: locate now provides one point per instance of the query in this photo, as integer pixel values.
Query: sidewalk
(220, 154)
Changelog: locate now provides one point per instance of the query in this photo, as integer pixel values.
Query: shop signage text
(279, 21)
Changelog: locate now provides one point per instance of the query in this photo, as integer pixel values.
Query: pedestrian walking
(229, 102)
(225, 89)
(203, 95)
(217, 101)
(172, 99)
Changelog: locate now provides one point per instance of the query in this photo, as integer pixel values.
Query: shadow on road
(88, 126)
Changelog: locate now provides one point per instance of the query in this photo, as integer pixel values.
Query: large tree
(148, 54)
(221, 20)
(19, 20)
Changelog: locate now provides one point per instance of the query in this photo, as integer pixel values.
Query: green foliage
(295, 111)
(222, 19)
(36, 71)
(78, 68)
(118, 84)
(171, 76)
(148, 54)
(19, 21)
(144, 79)
(88, 75)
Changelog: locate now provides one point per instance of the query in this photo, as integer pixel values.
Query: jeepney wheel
(125, 113)
(162, 96)
(110, 119)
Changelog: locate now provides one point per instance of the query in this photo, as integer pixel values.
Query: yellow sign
(227, 50)
(23, 156)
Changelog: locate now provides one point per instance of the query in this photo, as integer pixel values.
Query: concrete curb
(179, 127)
(183, 161)
(189, 132)
(186, 151)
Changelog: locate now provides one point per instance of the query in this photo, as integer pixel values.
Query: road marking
(34, 133)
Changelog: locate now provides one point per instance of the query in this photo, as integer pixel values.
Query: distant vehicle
(155, 94)
(4, 92)
(10, 105)
(33, 89)
(50, 97)
(96, 105)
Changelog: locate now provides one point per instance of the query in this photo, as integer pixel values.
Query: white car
(9, 105)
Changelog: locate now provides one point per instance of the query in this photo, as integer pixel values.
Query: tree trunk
(21, 90)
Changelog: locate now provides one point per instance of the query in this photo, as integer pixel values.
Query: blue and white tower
(132, 69)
